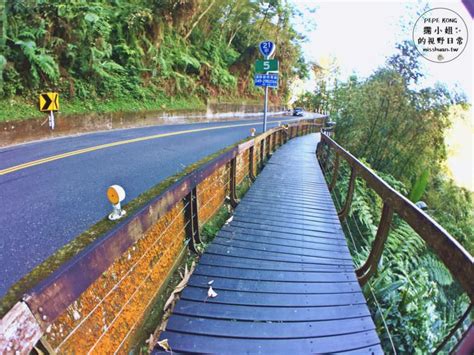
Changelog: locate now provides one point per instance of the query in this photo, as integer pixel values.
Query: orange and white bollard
(116, 194)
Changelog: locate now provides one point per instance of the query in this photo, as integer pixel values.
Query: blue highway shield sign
(267, 48)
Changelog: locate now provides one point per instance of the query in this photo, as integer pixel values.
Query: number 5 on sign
(263, 66)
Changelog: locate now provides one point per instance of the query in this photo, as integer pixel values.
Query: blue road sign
(270, 80)
(267, 48)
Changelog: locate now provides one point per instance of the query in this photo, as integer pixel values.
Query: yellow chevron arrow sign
(49, 101)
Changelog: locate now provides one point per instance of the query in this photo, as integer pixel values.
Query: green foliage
(120, 49)
(419, 187)
(41, 64)
(399, 133)
(3, 63)
(418, 298)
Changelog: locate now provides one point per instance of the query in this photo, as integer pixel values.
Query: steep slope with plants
(139, 53)
(398, 129)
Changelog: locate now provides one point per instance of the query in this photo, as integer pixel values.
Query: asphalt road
(53, 190)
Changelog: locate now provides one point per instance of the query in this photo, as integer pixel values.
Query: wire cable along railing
(453, 255)
(68, 300)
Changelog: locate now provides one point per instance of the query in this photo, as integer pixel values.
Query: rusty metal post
(234, 201)
(335, 172)
(192, 220)
(370, 266)
(342, 214)
(251, 163)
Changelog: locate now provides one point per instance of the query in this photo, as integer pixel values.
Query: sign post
(267, 48)
(49, 102)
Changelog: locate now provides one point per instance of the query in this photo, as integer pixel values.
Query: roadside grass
(19, 108)
(71, 249)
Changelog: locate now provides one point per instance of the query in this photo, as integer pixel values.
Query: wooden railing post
(342, 214)
(269, 150)
(262, 152)
(192, 219)
(370, 266)
(335, 172)
(324, 155)
(251, 164)
(234, 201)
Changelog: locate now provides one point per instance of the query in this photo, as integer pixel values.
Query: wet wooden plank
(236, 261)
(233, 227)
(269, 330)
(268, 255)
(274, 275)
(273, 299)
(283, 249)
(284, 217)
(299, 237)
(291, 230)
(294, 226)
(229, 284)
(272, 210)
(307, 245)
(269, 314)
(362, 342)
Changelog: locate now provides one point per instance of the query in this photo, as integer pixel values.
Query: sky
(362, 34)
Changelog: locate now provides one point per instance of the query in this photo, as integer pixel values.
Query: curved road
(53, 190)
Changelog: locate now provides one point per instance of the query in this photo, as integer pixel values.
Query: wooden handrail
(454, 256)
(27, 321)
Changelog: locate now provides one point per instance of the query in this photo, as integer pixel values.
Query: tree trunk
(199, 19)
(233, 36)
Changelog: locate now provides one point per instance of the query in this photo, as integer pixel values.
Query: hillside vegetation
(398, 129)
(139, 53)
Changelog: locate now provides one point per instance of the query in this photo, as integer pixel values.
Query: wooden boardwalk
(282, 271)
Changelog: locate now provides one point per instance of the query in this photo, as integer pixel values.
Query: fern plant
(42, 65)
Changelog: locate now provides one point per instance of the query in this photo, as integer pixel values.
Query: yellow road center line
(114, 144)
